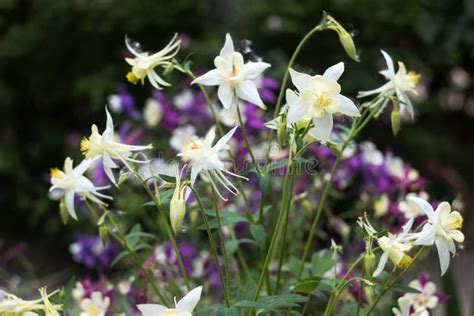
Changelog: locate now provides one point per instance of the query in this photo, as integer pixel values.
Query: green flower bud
(369, 262)
(395, 118)
(63, 211)
(369, 294)
(345, 38)
(103, 233)
(282, 132)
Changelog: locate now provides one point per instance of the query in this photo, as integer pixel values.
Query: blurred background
(59, 60)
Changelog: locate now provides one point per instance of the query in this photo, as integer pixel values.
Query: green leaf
(227, 218)
(167, 178)
(403, 288)
(231, 247)
(307, 285)
(322, 263)
(274, 302)
(119, 257)
(259, 235)
(133, 238)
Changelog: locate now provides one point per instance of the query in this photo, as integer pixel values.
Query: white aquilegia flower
(404, 307)
(182, 136)
(318, 98)
(96, 305)
(236, 79)
(178, 203)
(443, 229)
(104, 145)
(152, 112)
(399, 83)
(184, 307)
(424, 300)
(71, 181)
(394, 247)
(204, 158)
(143, 64)
(13, 305)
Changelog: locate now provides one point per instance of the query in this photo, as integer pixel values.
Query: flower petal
(228, 47)
(389, 62)
(69, 200)
(152, 309)
(224, 139)
(296, 109)
(423, 205)
(189, 302)
(322, 128)
(347, 106)
(226, 95)
(334, 72)
(110, 123)
(381, 264)
(426, 236)
(299, 79)
(247, 91)
(254, 69)
(443, 254)
(210, 78)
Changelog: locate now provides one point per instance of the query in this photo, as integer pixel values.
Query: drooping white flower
(394, 248)
(399, 83)
(410, 209)
(424, 300)
(404, 307)
(178, 203)
(204, 159)
(318, 98)
(443, 229)
(381, 205)
(71, 181)
(234, 77)
(96, 305)
(184, 307)
(105, 145)
(13, 305)
(143, 64)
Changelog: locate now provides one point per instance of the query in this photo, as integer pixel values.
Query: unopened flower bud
(103, 233)
(395, 118)
(282, 132)
(63, 211)
(345, 38)
(369, 262)
(177, 205)
(369, 294)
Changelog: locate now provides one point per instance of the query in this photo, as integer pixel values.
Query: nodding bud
(282, 131)
(369, 294)
(177, 204)
(369, 262)
(345, 38)
(103, 233)
(63, 211)
(395, 118)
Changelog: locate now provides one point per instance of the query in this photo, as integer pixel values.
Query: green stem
(386, 288)
(222, 240)
(246, 139)
(120, 237)
(301, 44)
(168, 230)
(213, 247)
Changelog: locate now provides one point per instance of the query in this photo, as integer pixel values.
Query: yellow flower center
(405, 262)
(413, 77)
(456, 223)
(132, 78)
(421, 298)
(85, 145)
(195, 145)
(93, 310)
(55, 172)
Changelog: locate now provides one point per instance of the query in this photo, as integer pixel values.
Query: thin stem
(213, 247)
(168, 230)
(386, 288)
(221, 237)
(120, 237)
(301, 44)
(246, 139)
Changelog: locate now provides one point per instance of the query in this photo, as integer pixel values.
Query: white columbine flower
(181, 136)
(394, 248)
(96, 305)
(399, 83)
(143, 64)
(234, 77)
(72, 181)
(108, 148)
(152, 112)
(204, 157)
(318, 98)
(13, 305)
(184, 307)
(178, 203)
(404, 309)
(424, 300)
(443, 229)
